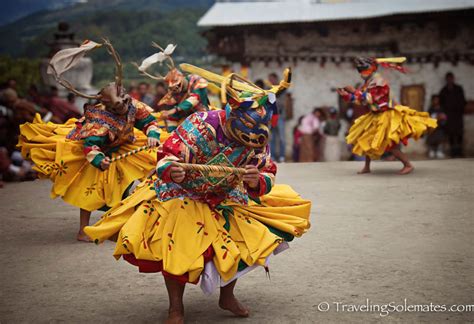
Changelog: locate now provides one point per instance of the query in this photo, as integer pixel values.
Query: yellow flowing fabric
(178, 232)
(74, 179)
(373, 133)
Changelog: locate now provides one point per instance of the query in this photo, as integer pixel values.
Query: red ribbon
(393, 66)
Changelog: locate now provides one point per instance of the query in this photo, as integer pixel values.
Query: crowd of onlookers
(16, 110)
(144, 93)
(317, 136)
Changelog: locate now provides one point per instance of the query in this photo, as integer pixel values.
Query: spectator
(36, 97)
(435, 139)
(310, 130)
(452, 103)
(71, 98)
(11, 84)
(278, 129)
(160, 92)
(22, 109)
(297, 135)
(145, 96)
(133, 91)
(332, 146)
(14, 168)
(259, 83)
(61, 109)
(8, 129)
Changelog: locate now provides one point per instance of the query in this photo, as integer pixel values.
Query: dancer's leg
(228, 301)
(407, 166)
(176, 306)
(85, 216)
(366, 168)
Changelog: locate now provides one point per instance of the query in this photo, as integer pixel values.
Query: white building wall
(313, 83)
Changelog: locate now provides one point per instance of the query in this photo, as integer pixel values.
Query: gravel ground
(376, 239)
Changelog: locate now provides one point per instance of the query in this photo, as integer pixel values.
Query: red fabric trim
(404, 141)
(260, 190)
(198, 97)
(274, 121)
(147, 266)
(87, 149)
(166, 175)
(347, 97)
(145, 128)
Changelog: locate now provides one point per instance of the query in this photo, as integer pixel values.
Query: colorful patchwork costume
(191, 99)
(212, 225)
(71, 154)
(388, 124)
(186, 94)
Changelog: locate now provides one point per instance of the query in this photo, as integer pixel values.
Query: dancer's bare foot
(175, 317)
(364, 170)
(406, 169)
(82, 237)
(234, 306)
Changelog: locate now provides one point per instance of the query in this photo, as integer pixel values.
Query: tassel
(267, 272)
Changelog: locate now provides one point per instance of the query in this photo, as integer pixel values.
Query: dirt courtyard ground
(375, 239)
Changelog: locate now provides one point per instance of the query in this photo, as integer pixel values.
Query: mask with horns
(112, 96)
(174, 79)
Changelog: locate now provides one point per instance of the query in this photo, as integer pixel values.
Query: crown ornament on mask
(249, 108)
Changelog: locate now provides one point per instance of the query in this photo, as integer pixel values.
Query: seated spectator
(36, 97)
(22, 109)
(14, 168)
(160, 91)
(61, 108)
(133, 91)
(145, 96)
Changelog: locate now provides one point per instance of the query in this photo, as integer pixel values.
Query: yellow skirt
(177, 233)
(374, 133)
(74, 179)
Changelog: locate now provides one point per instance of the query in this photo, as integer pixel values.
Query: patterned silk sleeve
(197, 95)
(144, 121)
(92, 149)
(377, 97)
(267, 170)
(170, 151)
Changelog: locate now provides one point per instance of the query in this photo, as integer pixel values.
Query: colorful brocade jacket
(375, 93)
(201, 139)
(103, 132)
(193, 99)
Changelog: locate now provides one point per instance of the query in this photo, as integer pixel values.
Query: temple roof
(235, 13)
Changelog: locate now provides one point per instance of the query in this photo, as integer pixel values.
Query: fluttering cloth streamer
(68, 58)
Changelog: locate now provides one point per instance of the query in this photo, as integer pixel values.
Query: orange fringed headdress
(394, 63)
